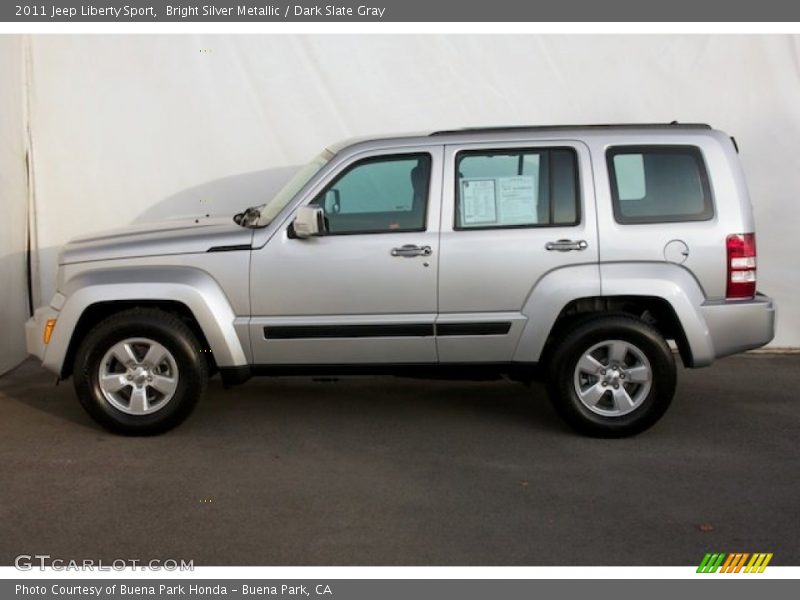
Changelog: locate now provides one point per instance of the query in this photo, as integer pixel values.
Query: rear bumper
(736, 326)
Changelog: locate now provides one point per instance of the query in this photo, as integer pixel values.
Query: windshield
(266, 212)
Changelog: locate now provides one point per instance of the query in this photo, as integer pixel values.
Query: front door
(366, 291)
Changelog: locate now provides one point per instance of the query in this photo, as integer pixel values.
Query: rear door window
(516, 188)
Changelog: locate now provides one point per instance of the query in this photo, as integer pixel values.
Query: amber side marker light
(48, 330)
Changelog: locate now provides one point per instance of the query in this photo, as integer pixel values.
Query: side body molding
(195, 289)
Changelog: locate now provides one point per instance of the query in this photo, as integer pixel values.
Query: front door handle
(567, 245)
(410, 250)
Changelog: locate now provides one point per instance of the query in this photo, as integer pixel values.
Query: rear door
(511, 214)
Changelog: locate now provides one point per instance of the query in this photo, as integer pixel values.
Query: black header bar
(243, 11)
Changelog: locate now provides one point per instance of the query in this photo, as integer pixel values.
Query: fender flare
(193, 288)
(551, 293)
(668, 282)
(673, 284)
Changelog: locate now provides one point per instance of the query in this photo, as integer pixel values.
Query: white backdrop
(135, 128)
(13, 203)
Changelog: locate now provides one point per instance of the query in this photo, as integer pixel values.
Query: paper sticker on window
(478, 203)
(517, 199)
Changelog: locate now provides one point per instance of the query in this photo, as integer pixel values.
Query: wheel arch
(189, 293)
(653, 310)
(97, 312)
(666, 296)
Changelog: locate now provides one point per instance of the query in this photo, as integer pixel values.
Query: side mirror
(308, 221)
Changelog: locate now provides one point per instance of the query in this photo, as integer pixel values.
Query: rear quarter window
(659, 184)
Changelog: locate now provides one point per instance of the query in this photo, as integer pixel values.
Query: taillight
(741, 265)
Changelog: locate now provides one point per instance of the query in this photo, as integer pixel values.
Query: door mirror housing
(309, 221)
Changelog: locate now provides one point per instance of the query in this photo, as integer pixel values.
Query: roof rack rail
(672, 125)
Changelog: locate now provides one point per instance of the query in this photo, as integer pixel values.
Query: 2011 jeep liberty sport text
(472, 253)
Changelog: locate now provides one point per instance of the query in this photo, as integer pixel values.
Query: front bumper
(736, 326)
(34, 331)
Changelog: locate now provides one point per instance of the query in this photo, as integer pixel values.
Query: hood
(184, 236)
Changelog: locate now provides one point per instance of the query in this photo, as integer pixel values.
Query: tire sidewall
(190, 380)
(592, 332)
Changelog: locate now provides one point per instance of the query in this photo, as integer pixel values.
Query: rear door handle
(410, 250)
(567, 245)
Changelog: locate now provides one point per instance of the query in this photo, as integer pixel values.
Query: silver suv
(574, 253)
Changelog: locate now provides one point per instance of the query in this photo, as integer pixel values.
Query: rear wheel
(140, 372)
(612, 376)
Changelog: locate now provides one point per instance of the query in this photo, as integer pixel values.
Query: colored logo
(735, 562)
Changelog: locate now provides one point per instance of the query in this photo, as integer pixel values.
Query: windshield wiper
(248, 218)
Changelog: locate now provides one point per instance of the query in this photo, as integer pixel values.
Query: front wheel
(140, 372)
(612, 376)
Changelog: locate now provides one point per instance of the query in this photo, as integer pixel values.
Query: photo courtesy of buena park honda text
(399, 299)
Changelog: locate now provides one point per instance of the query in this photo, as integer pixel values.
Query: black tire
(163, 328)
(603, 332)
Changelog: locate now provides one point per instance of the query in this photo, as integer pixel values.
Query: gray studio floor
(382, 471)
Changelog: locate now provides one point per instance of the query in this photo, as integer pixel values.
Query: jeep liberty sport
(576, 252)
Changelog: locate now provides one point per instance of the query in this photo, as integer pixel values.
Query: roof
(538, 128)
(513, 133)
